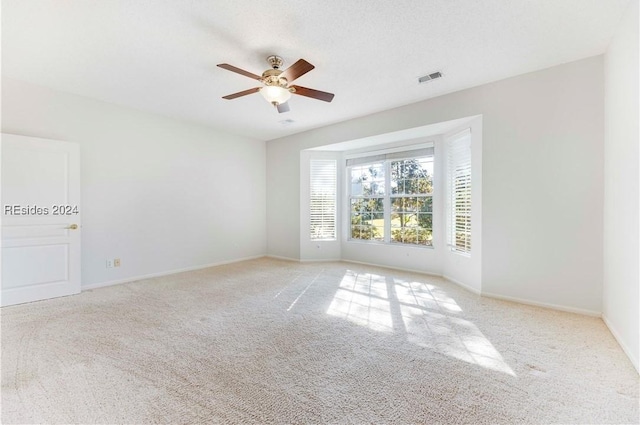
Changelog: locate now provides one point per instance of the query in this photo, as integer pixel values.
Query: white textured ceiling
(161, 55)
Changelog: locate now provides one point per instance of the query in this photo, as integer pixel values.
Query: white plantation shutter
(459, 192)
(323, 199)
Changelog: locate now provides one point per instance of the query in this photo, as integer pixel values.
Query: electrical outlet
(116, 262)
(109, 264)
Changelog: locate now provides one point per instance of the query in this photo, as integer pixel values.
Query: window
(459, 192)
(367, 201)
(390, 197)
(411, 201)
(322, 204)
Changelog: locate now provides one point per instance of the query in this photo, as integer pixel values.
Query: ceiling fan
(276, 89)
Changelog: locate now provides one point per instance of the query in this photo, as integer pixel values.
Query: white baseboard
(545, 305)
(464, 285)
(321, 260)
(402, 269)
(165, 273)
(469, 288)
(633, 357)
(279, 257)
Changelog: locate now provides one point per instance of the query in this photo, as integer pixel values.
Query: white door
(41, 218)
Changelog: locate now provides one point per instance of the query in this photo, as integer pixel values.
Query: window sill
(400, 245)
(460, 253)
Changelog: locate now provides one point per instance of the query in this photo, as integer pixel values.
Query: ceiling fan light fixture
(275, 95)
(276, 88)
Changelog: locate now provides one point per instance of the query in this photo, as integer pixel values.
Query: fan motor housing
(271, 77)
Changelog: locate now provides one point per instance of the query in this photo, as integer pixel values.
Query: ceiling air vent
(430, 77)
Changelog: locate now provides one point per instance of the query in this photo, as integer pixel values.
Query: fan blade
(315, 94)
(297, 70)
(238, 71)
(283, 107)
(241, 93)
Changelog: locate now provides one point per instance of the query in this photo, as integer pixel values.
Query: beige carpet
(268, 341)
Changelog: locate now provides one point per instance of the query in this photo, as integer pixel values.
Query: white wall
(283, 201)
(621, 295)
(543, 186)
(158, 193)
(542, 180)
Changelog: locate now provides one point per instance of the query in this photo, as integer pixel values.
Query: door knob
(72, 227)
